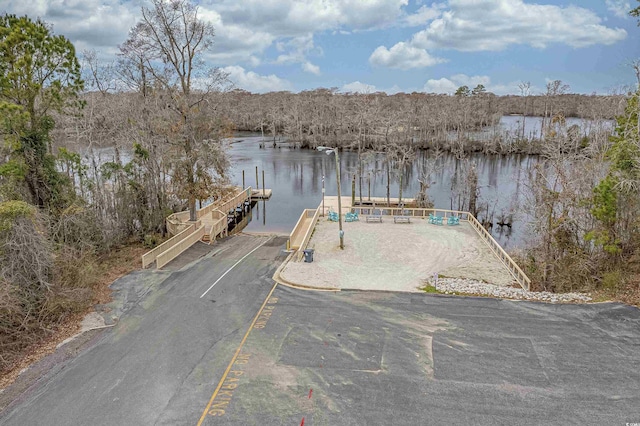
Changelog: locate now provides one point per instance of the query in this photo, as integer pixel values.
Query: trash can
(308, 255)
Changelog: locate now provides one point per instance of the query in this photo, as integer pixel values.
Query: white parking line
(234, 265)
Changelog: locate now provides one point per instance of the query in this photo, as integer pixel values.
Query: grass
(430, 289)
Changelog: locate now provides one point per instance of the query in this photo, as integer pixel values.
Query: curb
(277, 277)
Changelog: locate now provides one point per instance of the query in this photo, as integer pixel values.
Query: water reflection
(295, 176)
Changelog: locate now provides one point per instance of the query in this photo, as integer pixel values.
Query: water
(295, 176)
(512, 125)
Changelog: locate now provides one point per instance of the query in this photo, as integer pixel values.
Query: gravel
(469, 286)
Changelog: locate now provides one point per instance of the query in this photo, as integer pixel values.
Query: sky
(386, 45)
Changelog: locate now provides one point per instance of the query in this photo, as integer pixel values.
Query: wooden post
(264, 211)
(243, 187)
(257, 183)
(263, 190)
(353, 190)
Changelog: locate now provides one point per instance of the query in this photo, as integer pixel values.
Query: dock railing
(177, 222)
(516, 272)
(225, 204)
(219, 225)
(173, 252)
(149, 257)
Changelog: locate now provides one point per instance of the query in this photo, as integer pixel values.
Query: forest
(66, 211)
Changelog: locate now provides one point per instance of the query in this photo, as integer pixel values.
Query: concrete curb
(277, 277)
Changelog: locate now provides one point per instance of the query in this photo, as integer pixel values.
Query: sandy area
(389, 256)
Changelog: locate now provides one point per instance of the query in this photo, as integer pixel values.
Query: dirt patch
(397, 257)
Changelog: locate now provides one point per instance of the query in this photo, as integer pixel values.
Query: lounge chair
(351, 217)
(435, 220)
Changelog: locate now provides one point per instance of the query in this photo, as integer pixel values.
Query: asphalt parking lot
(361, 358)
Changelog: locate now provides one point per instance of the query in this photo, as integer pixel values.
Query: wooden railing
(297, 230)
(150, 257)
(176, 222)
(173, 252)
(510, 264)
(219, 223)
(506, 260)
(230, 204)
(413, 212)
(304, 231)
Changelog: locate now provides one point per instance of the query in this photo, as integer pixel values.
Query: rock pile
(467, 286)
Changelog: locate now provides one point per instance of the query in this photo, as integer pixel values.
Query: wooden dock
(261, 194)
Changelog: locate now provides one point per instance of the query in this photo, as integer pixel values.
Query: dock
(261, 194)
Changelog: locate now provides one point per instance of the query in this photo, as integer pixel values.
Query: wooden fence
(219, 224)
(177, 222)
(173, 252)
(226, 206)
(303, 230)
(499, 252)
(298, 230)
(510, 264)
(150, 257)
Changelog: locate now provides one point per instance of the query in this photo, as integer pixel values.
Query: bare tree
(169, 43)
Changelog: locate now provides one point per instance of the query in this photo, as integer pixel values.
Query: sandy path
(397, 257)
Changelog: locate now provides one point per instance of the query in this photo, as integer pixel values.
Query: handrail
(415, 212)
(170, 254)
(149, 257)
(510, 264)
(307, 235)
(219, 224)
(296, 229)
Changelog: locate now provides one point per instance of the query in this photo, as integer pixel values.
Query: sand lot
(397, 257)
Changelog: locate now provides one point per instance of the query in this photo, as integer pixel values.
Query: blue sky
(386, 45)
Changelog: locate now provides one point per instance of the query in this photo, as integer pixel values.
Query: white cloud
(311, 68)
(358, 87)
(253, 82)
(472, 25)
(451, 84)
(424, 14)
(403, 56)
(619, 8)
(477, 25)
(88, 24)
(297, 50)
